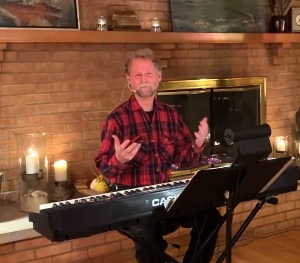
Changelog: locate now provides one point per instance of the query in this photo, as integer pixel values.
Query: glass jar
(102, 24)
(33, 171)
(155, 25)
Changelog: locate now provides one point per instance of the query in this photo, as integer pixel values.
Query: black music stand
(249, 176)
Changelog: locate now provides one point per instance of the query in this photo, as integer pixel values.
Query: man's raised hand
(124, 153)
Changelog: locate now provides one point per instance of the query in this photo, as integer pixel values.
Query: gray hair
(146, 53)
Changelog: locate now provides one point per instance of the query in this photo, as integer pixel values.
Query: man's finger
(131, 147)
(135, 150)
(124, 144)
(204, 123)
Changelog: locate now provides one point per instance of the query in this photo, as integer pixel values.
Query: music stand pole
(229, 215)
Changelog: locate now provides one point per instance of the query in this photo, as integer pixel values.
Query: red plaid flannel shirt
(164, 142)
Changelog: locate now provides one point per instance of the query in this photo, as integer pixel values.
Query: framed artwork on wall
(218, 16)
(39, 14)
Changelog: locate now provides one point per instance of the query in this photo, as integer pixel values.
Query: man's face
(143, 78)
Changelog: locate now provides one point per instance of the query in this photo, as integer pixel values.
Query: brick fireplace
(66, 90)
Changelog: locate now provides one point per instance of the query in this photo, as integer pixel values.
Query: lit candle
(32, 162)
(155, 22)
(155, 25)
(60, 171)
(102, 20)
(281, 145)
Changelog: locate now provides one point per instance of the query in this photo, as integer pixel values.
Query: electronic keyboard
(86, 216)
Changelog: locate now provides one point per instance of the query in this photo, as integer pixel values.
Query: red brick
(44, 260)
(32, 243)
(88, 241)
(58, 149)
(9, 186)
(2, 45)
(51, 87)
(95, 115)
(67, 137)
(17, 256)
(17, 67)
(11, 175)
(103, 250)
(82, 126)
(83, 106)
(6, 248)
(9, 100)
(34, 99)
(64, 97)
(70, 156)
(92, 144)
(67, 117)
(53, 250)
(18, 89)
(90, 135)
(34, 56)
(71, 257)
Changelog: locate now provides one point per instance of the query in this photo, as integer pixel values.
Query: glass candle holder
(61, 185)
(155, 25)
(102, 24)
(281, 146)
(33, 169)
(297, 151)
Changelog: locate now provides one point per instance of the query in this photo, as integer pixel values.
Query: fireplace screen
(235, 107)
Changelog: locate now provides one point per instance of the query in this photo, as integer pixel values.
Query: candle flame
(60, 162)
(31, 152)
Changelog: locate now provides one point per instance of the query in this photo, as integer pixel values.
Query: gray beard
(144, 96)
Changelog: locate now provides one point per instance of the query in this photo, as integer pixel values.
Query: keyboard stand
(163, 255)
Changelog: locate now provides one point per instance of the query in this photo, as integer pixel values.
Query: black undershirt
(150, 114)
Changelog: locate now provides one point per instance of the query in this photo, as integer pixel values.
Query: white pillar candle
(281, 145)
(32, 162)
(60, 171)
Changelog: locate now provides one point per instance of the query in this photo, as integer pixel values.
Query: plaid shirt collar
(135, 106)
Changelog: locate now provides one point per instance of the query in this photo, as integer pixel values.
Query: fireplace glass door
(230, 107)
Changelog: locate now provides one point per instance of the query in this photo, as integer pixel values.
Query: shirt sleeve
(187, 153)
(106, 160)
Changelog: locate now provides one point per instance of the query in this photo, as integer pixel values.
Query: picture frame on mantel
(218, 16)
(40, 14)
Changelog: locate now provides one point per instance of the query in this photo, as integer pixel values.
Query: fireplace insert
(235, 103)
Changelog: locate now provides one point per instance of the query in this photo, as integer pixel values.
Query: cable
(122, 95)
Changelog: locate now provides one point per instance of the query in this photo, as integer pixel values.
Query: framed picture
(43, 14)
(218, 16)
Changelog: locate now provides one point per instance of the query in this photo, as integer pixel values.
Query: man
(141, 140)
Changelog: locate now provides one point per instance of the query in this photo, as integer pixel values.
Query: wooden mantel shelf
(76, 36)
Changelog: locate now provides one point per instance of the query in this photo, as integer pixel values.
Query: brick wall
(67, 90)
